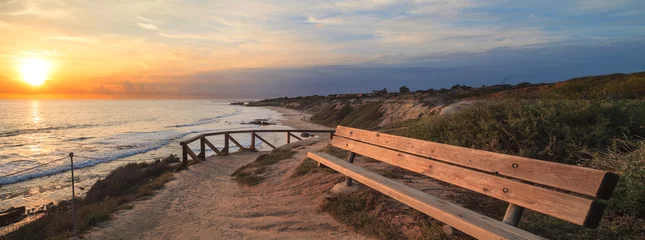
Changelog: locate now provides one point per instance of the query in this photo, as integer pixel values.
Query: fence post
(288, 137)
(71, 159)
(202, 153)
(252, 147)
(350, 159)
(225, 144)
(184, 155)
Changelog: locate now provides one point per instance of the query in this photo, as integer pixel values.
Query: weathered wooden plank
(465, 220)
(265, 141)
(561, 205)
(210, 145)
(184, 155)
(235, 142)
(581, 180)
(293, 135)
(192, 154)
(195, 138)
(202, 148)
(226, 149)
(252, 147)
(190, 140)
(271, 131)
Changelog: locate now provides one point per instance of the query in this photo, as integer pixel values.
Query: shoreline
(290, 118)
(189, 207)
(294, 119)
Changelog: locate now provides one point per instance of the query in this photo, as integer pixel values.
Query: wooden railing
(186, 151)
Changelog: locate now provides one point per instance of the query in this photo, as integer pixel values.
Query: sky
(275, 48)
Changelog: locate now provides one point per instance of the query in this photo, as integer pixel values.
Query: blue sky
(245, 49)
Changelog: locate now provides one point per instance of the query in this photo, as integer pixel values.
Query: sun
(34, 71)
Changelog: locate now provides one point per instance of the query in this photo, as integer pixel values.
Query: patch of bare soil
(205, 203)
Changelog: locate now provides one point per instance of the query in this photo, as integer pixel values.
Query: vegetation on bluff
(596, 122)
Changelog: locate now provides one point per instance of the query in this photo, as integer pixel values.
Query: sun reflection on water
(35, 111)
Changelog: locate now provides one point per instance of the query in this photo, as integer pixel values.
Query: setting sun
(34, 71)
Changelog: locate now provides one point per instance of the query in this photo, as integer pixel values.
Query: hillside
(596, 121)
(378, 110)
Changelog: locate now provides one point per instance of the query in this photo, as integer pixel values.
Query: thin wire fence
(29, 218)
(32, 168)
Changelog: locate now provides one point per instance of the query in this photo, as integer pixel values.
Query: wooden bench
(559, 190)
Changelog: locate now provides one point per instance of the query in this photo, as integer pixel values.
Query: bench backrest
(559, 190)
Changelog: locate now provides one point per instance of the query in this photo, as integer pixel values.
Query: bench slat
(561, 205)
(465, 220)
(587, 181)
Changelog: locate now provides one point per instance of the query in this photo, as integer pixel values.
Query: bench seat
(571, 193)
(467, 221)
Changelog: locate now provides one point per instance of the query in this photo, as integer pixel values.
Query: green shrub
(629, 196)
(560, 131)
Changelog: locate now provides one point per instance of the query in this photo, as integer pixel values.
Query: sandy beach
(204, 202)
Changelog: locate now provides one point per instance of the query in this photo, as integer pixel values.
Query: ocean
(103, 135)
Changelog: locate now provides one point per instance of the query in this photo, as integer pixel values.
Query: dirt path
(204, 202)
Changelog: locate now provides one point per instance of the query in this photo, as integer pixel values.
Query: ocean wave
(122, 146)
(37, 130)
(207, 120)
(80, 162)
(78, 139)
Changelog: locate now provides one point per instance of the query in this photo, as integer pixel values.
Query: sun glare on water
(34, 71)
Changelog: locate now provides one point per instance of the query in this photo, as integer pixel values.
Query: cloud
(132, 88)
(148, 26)
(150, 20)
(190, 37)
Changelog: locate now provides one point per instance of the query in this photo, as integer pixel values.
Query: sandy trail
(205, 203)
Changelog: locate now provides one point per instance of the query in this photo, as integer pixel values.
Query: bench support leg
(350, 159)
(513, 215)
(451, 232)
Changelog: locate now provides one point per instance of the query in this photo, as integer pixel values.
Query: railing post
(225, 144)
(513, 215)
(288, 137)
(202, 152)
(184, 155)
(71, 159)
(252, 147)
(350, 159)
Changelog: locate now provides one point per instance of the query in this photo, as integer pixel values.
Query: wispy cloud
(150, 20)
(148, 26)
(185, 37)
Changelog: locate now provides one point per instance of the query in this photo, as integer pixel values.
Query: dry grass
(251, 174)
(123, 185)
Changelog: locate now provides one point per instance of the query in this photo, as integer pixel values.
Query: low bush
(553, 130)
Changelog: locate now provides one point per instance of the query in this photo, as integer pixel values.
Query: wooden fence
(186, 151)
